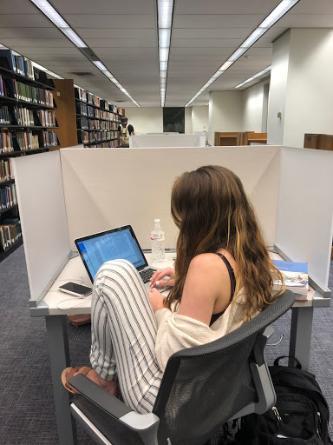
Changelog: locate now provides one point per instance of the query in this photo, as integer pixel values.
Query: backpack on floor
(300, 416)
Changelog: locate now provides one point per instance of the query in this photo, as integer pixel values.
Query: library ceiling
(124, 36)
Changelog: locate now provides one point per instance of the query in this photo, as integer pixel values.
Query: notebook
(119, 243)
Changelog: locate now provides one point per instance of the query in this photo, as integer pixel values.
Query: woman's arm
(206, 286)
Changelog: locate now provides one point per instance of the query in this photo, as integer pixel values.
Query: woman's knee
(114, 274)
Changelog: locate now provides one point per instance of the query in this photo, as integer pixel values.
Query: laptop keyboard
(146, 274)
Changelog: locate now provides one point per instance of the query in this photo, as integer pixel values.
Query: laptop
(120, 243)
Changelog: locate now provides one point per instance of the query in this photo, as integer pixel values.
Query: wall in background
(188, 120)
(225, 112)
(255, 107)
(278, 90)
(146, 119)
(200, 118)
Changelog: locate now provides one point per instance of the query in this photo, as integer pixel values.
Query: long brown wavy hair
(211, 210)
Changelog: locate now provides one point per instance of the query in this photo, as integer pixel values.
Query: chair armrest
(99, 397)
(146, 425)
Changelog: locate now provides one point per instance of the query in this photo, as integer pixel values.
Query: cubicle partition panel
(165, 140)
(305, 215)
(109, 188)
(40, 193)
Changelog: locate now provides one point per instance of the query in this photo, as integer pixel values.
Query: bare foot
(110, 386)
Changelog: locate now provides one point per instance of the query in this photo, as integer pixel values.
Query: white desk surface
(59, 303)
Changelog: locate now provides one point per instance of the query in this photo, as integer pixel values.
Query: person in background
(223, 276)
(130, 130)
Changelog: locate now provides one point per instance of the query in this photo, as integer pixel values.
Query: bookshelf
(27, 126)
(98, 121)
(85, 118)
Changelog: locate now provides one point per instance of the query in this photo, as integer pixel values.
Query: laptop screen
(115, 244)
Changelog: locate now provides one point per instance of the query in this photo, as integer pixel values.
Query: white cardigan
(176, 332)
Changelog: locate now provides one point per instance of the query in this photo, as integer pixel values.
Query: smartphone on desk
(77, 290)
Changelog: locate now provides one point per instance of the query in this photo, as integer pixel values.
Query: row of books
(96, 136)
(86, 110)
(96, 124)
(6, 142)
(10, 233)
(49, 139)
(28, 93)
(47, 118)
(92, 99)
(3, 89)
(24, 116)
(27, 117)
(4, 115)
(26, 140)
(81, 94)
(5, 170)
(7, 196)
(17, 63)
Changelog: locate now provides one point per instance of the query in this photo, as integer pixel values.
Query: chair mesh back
(206, 391)
(203, 387)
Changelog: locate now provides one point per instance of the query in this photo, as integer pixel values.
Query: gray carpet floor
(26, 404)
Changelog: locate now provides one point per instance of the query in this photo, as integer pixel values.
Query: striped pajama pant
(124, 330)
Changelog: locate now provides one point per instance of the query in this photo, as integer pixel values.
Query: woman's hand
(156, 299)
(163, 278)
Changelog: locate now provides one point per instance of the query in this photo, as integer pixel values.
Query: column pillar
(301, 93)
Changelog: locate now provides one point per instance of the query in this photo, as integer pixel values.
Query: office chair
(202, 388)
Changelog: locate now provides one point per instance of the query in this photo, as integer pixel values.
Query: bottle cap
(157, 220)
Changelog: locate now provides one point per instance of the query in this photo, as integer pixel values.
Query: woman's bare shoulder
(208, 263)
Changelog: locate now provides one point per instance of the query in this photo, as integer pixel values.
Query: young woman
(223, 276)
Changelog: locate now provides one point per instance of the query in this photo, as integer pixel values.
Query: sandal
(68, 373)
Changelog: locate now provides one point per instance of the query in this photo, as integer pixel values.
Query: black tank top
(232, 283)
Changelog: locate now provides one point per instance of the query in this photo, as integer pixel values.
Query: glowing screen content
(110, 246)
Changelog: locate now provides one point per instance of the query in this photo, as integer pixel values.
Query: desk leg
(300, 335)
(59, 358)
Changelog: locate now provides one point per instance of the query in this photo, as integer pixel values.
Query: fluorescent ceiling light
(51, 13)
(100, 65)
(257, 33)
(73, 37)
(165, 13)
(225, 66)
(281, 9)
(111, 77)
(164, 38)
(164, 54)
(256, 76)
(47, 9)
(237, 54)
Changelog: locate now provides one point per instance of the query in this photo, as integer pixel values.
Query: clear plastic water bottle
(157, 238)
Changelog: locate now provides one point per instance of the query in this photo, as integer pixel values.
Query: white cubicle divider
(305, 216)
(165, 140)
(108, 188)
(43, 216)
